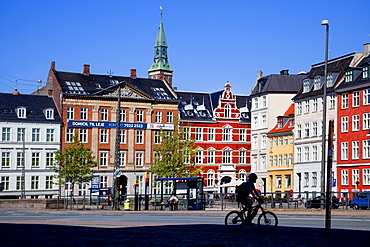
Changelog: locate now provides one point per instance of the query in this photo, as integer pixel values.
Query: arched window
(227, 111)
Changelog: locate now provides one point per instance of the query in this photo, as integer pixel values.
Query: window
(314, 105)
(264, 101)
(278, 182)
(271, 162)
(158, 117)
(255, 103)
(21, 132)
(5, 181)
(264, 141)
(6, 134)
(198, 134)
(355, 176)
(139, 116)
(355, 122)
(35, 135)
(290, 159)
(104, 181)
(344, 151)
(314, 153)
(275, 160)
(35, 159)
(210, 178)
(122, 136)
(344, 175)
(366, 149)
(187, 133)
(103, 159)
(355, 150)
(307, 106)
(20, 159)
(307, 130)
(83, 135)
(242, 157)
(226, 135)
(314, 179)
(139, 158)
(254, 142)
(344, 124)
(21, 112)
(299, 108)
(365, 72)
(299, 154)
(122, 158)
(50, 135)
(69, 134)
(19, 183)
(104, 114)
(306, 179)
(314, 129)
(70, 113)
(366, 176)
(264, 121)
(199, 156)
(306, 153)
(349, 76)
(280, 160)
(139, 137)
(299, 131)
(83, 113)
(211, 156)
(242, 135)
(49, 113)
(345, 101)
(226, 156)
(5, 159)
(103, 136)
(227, 111)
(331, 102)
(366, 124)
(49, 182)
(157, 137)
(211, 134)
(288, 181)
(367, 97)
(306, 86)
(317, 83)
(122, 114)
(49, 159)
(35, 180)
(356, 99)
(169, 117)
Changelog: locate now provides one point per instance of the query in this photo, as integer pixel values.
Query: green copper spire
(160, 51)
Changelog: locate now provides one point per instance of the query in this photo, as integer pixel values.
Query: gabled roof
(35, 106)
(80, 84)
(359, 80)
(278, 84)
(287, 127)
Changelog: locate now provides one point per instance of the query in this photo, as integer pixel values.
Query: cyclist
(243, 192)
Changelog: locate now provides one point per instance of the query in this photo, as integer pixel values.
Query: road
(112, 228)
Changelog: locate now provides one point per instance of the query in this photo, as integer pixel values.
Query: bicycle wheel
(233, 221)
(267, 221)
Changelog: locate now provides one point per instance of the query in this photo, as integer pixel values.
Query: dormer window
(365, 72)
(306, 85)
(280, 123)
(49, 113)
(349, 76)
(21, 112)
(317, 83)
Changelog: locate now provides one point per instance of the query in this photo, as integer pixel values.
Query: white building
(30, 134)
(270, 96)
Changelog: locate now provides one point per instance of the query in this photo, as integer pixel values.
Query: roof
(35, 106)
(80, 84)
(278, 84)
(287, 126)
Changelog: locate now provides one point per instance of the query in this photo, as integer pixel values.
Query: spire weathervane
(161, 8)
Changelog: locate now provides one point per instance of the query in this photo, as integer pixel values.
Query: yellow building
(280, 154)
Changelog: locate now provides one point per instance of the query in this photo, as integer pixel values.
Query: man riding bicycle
(243, 193)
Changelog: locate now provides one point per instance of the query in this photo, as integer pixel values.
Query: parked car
(316, 202)
(362, 200)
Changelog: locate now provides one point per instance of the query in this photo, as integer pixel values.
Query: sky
(210, 42)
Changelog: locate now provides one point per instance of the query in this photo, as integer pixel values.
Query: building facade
(30, 134)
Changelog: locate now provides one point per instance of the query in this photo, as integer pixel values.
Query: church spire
(161, 69)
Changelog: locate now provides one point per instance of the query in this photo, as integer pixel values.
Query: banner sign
(99, 124)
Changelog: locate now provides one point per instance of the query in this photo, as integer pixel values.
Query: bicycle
(267, 220)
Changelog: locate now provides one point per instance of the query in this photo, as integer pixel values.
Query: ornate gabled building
(270, 97)
(353, 148)
(30, 134)
(220, 124)
(308, 121)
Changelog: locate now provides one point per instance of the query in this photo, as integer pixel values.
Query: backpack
(241, 192)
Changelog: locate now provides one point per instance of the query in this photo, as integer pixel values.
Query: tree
(174, 156)
(73, 164)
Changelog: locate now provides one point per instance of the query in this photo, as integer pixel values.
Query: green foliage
(175, 154)
(74, 164)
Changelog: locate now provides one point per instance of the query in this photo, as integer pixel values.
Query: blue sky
(210, 41)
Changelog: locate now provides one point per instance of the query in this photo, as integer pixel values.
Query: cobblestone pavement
(38, 234)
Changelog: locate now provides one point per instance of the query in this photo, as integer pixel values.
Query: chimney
(259, 74)
(86, 69)
(52, 65)
(133, 74)
(284, 72)
(366, 49)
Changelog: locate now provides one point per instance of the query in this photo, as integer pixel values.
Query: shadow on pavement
(174, 235)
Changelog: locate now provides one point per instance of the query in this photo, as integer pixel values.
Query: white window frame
(344, 176)
(345, 101)
(355, 150)
(84, 113)
(344, 124)
(344, 151)
(356, 99)
(139, 137)
(70, 113)
(104, 136)
(158, 117)
(104, 114)
(355, 122)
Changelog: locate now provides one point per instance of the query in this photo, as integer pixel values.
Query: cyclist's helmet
(252, 177)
